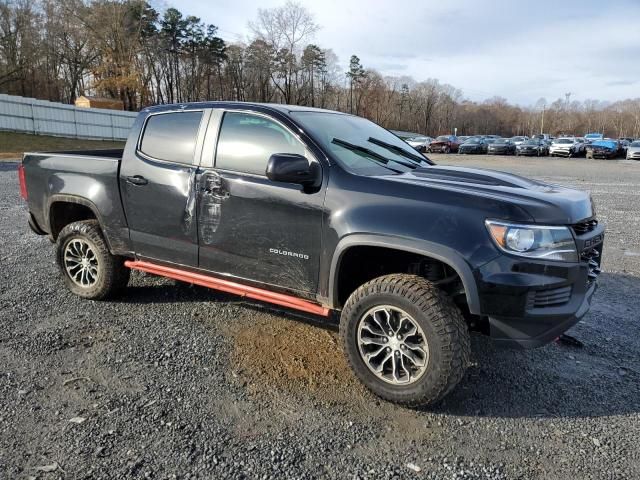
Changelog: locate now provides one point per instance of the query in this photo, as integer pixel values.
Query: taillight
(23, 182)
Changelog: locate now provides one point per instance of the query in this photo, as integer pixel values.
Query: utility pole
(544, 106)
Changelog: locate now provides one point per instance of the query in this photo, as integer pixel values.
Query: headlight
(534, 241)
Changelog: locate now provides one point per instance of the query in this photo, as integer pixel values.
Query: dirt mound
(276, 353)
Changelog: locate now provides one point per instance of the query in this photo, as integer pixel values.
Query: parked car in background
(543, 136)
(518, 140)
(633, 151)
(420, 143)
(533, 147)
(624, 143)
(593, 137)
(444, 144)
(606, 149)
(473, 145)
(566, 147)
(626, 139)
(502, 146)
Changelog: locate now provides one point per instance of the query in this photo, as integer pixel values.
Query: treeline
(128, 50)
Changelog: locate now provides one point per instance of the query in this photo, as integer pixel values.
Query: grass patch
(13, 145)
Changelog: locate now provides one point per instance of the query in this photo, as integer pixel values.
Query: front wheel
(88, 268)
(405, 339)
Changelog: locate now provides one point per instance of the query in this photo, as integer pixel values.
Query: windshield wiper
(400, 151)
(376, 157)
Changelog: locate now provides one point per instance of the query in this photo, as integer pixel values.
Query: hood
(604, 144)
(545, 203)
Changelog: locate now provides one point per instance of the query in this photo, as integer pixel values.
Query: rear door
(157, 182)
(250, 227)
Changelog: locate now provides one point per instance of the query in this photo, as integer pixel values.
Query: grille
(584, 227)
(592, 257)
(549, 298)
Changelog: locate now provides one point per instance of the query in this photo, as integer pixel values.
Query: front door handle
(137, 180)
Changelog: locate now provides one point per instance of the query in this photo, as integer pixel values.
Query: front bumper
(562, 152)
(531, 302)
(500, 151)
(602, 154)
(528, 152)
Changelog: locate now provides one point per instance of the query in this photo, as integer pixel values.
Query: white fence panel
(41, 117)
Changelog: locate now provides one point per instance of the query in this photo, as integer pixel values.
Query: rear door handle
(137, 180)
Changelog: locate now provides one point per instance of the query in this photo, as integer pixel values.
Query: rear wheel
(405, 339)
(88, 268)
(446, 149)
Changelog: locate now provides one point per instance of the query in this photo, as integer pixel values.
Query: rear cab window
(171, 136)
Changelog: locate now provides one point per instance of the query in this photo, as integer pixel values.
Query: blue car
(604, 149)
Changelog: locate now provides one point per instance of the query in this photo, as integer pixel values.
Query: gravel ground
(175, 381)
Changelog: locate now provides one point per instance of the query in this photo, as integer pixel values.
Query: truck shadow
(600, 379)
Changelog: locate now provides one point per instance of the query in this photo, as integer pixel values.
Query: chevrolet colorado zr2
(330, 214)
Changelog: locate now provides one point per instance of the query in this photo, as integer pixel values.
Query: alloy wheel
(81, 263)
(392, 345)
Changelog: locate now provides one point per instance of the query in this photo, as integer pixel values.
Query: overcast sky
(518, 49)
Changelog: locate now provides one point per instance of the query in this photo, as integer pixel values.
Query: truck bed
(84, 177)
(104, 152)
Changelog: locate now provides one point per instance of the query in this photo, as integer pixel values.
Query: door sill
(229, 287)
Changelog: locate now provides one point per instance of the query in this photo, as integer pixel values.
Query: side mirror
(293, 168)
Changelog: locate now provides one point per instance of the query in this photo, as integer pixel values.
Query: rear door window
(171, 136)
(246, 142)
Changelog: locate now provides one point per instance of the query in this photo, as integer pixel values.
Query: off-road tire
(446, 333)
(112, 275)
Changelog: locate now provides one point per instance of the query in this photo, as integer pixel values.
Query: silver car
(420, 143)
(633, 150)
(566, 147)
(519, 140)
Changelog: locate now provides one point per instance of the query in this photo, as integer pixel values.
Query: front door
(157, 182)
(250, 227)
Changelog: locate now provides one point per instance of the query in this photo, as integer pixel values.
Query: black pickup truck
(330, 214)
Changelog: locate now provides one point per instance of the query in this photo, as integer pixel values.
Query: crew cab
(329, 214)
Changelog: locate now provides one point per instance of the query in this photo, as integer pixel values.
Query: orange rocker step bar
(229, 287)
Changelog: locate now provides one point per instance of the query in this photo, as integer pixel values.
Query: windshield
(360, 145)
(532, 142)
(418, 139)
(593, 135)
(635, 144)
(472, 140)
(563, 140)
(517, 139)
(502, 141)
(442, 138)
